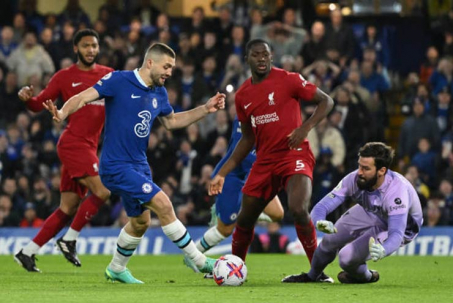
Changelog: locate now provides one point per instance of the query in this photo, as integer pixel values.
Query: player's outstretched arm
(243, 148)
(324, 106)
(183, 119)
(72, 105)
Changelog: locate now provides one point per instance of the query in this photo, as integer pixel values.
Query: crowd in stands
(352, 67)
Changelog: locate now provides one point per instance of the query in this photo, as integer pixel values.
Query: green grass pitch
(403, 279)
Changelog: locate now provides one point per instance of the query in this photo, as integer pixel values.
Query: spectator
(353, 124)
(147, 12)
(75, 14)
(316, 47)
(34, 19)
(8, 217)
(10, 105)
(30, 59)
(19, 27)
(218, 151)
(30, 218)
(418, 125)
(436, 212)
(325, 136)
(7, 45)
(372, 40)
(198, 22)
(429, 65)
(257, 27)
(234, 75)
(51, 47)
(442, 110)
(442, 76)
(425, 160)
(161, 151)
(223, 26)
(42, 198)
(323, 74)
(414, 178)
(285, 39)
(339, 36)
(325, 175)
(9, 189)
(222, 128)
(201, 200)
(195, 140)
(372, 80)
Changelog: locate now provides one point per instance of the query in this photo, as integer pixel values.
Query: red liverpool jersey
(272, 108)
(86, 124)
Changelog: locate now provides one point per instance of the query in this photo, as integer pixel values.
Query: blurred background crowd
(390, 74)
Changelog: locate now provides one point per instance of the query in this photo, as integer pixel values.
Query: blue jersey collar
(140, 80)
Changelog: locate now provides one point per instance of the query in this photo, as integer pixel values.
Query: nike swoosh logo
(135, 97)
(76, 84)
(246, 106)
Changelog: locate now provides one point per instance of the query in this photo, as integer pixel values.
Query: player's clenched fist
(216, 185)
(26, 93)
(215, 103)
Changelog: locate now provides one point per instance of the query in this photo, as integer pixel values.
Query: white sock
(176, 232)
(125, 247)
(71, 235)
(211, 238)
(31, 249)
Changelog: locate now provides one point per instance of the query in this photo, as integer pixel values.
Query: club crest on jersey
(271, 99)
(108, 76)
(147, 188)
(304, 82)
(154, 102)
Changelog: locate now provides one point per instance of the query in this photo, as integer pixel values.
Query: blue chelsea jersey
(244, 168)
(130, 110)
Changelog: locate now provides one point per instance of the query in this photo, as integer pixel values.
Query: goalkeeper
(387, 215)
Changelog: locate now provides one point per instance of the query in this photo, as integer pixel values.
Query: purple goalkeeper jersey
(395, 202)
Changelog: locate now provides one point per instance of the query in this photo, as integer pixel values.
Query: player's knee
(69, 208)
(225, 230)
(300, 214)
(141, 226)
(102, 193)
(346, 258)
(276, 217)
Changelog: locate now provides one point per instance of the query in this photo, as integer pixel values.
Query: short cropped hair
(160, 49)
(382, 154)
(253, 42)
(83, 33)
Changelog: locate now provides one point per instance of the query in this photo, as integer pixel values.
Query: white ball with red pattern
(230, 270)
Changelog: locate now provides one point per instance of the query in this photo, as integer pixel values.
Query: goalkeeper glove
(377, 251)
(325, 227)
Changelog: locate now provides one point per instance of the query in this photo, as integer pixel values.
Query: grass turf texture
(403, 279)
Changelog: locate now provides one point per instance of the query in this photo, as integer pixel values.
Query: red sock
(86, 211)
(53, 224)
(307, 236)
(242, 238)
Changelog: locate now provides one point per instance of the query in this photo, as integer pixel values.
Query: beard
(364, 184)
(156, 80)
(85, 62)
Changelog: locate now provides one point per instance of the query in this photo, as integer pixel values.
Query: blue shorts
(228, 203)
(133, 183)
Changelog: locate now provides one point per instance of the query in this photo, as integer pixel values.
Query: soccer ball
(230, 270)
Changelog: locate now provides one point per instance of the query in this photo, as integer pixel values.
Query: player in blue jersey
(133, 99)
(228, 203)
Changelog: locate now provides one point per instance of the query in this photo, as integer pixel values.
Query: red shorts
(268, 177)
(78, 160)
